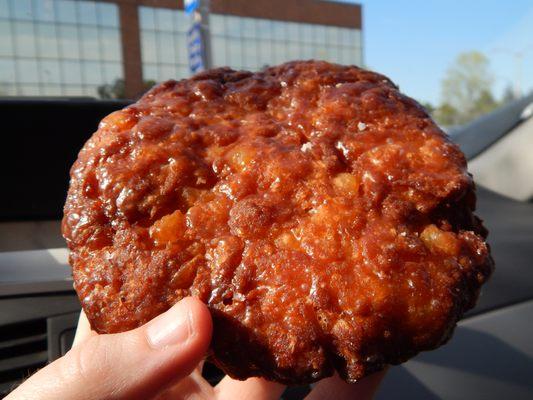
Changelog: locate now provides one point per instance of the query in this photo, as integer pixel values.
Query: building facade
(76, 48)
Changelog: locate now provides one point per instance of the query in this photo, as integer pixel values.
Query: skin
(160, 360)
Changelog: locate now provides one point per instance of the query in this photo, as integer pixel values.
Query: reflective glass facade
(79, 48)
(58, 47)
(253, 43)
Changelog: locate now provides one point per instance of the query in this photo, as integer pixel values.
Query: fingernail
(171, 328)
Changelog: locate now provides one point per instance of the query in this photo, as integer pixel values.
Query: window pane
(111, 50)
(21, 9)
(166, 72)
(166, 47)
(249, 53)
(232, 26)
(264, 29)
(8, 89)
(183, 72)
(47, 40)
(181, 21)
(150, 72)
(108, 15)
(24, 39)
(164, 20)
(146, 18)
(264, 53)
(234, 52)
(44, 10)
(148, 47)
(50, 71)
(306, 33)
(319, 34)
(278, 30)
(180, 43)
(29, 90)
(27, 71)
(92, 72)
(248, 27)
(216, 24)
(7, 70)
(218, 45)
(71, 72)
(51, 90)
(4, 9)
(66, 11)
(292, 30)
(87, 13)
(112, 72)
(6, 44)
(68, 41)
(90, 46)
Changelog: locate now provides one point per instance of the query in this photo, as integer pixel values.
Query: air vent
(23, 350)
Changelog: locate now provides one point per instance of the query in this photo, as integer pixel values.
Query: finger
(83, 331)
(335, 388)
(132, 365)
(252, 388)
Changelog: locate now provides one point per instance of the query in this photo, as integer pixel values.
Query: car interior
(40, 308)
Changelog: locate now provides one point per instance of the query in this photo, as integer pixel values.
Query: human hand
(160, 360)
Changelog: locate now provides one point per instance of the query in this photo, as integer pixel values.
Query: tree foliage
(466, 90)
(117, 89)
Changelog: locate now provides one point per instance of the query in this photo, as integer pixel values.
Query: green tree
(508, 95)
(428, 106)
(117, 89)
(466, 89)
(446, 115)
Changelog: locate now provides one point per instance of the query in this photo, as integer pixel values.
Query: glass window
(21, 9)
(216, 24)
(306, 33)
(183, 72)
(6, 44)
(29, 90)
(319, 34)
(166, 72)
(148, 47)
(50, 71)
(110, 44)
(27, 71)
(44, 10)
(24, 39)
(164, 20)
(92, 72)
(232, 26)
(306, 51)
(47, 40)
(278, 52)
(112, 71)
(292, 51)
(150, 72)
(218, 47)
(4, 9)
(68, 41)
(249, 55)
(166, 47)
(90, 45)
(108, 15)
(146, 18)
(51, 90)
(66, 11)
(7, 70)
(291, 30)
(71, 72)
(87, 13)
(278, 30)
(264, 28)
(264, 53)
(73, 90)
(234, 52)
(247, 27)
(181, 21)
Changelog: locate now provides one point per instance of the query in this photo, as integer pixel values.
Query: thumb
(130, 365)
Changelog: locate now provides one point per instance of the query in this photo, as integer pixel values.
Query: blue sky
(414, 42)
